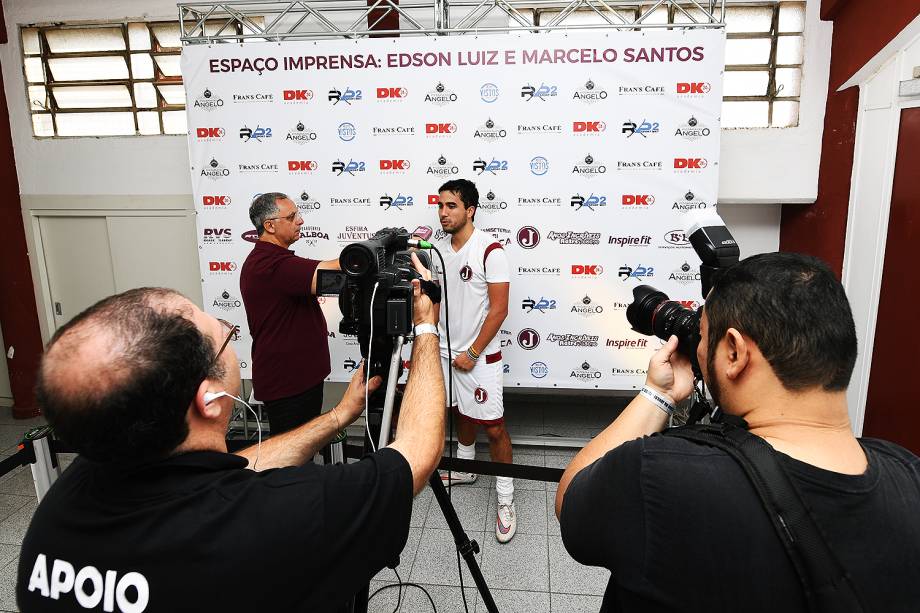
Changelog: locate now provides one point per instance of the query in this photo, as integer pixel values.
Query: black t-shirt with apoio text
(199, 532)
(682, 529)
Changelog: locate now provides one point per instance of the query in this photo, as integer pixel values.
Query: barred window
(112, 79)
(105, 79)
(763, 55)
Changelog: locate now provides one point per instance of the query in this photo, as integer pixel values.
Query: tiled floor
(531, 574)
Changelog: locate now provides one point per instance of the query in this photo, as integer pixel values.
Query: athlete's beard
(456, 229)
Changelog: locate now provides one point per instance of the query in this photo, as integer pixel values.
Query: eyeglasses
(233, 335)
(291, 217)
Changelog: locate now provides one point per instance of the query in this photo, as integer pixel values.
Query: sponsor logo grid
(588, 174)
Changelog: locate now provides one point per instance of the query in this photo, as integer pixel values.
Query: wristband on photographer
(426, 328)
(658, 399)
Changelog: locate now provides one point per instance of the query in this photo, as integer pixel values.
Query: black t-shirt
(682, 529)
(199, 532)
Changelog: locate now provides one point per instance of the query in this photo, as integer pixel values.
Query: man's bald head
(116, 381)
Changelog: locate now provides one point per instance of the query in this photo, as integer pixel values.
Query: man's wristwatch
(426, 328)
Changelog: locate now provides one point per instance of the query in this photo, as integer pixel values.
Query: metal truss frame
(239, 21)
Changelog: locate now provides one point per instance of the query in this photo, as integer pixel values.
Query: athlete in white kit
(477, 293)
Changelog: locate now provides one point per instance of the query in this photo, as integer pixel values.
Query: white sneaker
(505, 523)
(457, 478)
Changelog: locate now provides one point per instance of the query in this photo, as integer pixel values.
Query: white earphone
(210, 397)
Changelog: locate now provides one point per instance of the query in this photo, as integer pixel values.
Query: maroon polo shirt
(290, 350)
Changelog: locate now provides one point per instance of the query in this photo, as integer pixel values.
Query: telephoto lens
(652, 313)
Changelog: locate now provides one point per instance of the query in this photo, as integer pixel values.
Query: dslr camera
(654, 314)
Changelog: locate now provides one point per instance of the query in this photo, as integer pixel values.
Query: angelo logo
(466, 273)
(481, 395)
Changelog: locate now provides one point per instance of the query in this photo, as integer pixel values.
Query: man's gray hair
(264, 206)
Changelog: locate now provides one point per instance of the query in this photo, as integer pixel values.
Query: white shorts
(477, 394)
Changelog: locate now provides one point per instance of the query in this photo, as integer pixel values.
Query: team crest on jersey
(481, 395)
(466, 273)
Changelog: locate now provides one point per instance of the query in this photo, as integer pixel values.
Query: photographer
(680, 524)
(155, 515)
(290, 348)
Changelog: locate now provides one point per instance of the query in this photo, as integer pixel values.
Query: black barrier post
(467, 548)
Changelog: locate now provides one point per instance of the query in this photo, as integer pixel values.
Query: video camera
(652, 313)
(376, 271)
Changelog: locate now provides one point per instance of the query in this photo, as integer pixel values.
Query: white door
(78, 262)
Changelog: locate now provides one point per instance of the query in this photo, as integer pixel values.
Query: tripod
(467, 548)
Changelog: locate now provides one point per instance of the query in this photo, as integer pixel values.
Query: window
(105, 79)
(763, 55)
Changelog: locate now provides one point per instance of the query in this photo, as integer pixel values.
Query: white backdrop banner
(591, 152)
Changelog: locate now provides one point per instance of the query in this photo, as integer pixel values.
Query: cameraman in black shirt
(679, 524)
(155, 515)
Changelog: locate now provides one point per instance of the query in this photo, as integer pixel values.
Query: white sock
(466, 452)
(504, 487)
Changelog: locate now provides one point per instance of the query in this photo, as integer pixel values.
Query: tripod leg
(467, 548)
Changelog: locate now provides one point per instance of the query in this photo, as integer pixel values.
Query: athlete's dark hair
(467, 191)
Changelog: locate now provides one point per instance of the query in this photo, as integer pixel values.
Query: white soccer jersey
(468, 272)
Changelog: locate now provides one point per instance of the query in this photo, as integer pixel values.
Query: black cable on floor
(400, 586)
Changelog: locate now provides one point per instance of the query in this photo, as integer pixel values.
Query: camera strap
(828, 587)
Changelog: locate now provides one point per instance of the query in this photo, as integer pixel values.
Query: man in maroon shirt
(290, 351)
